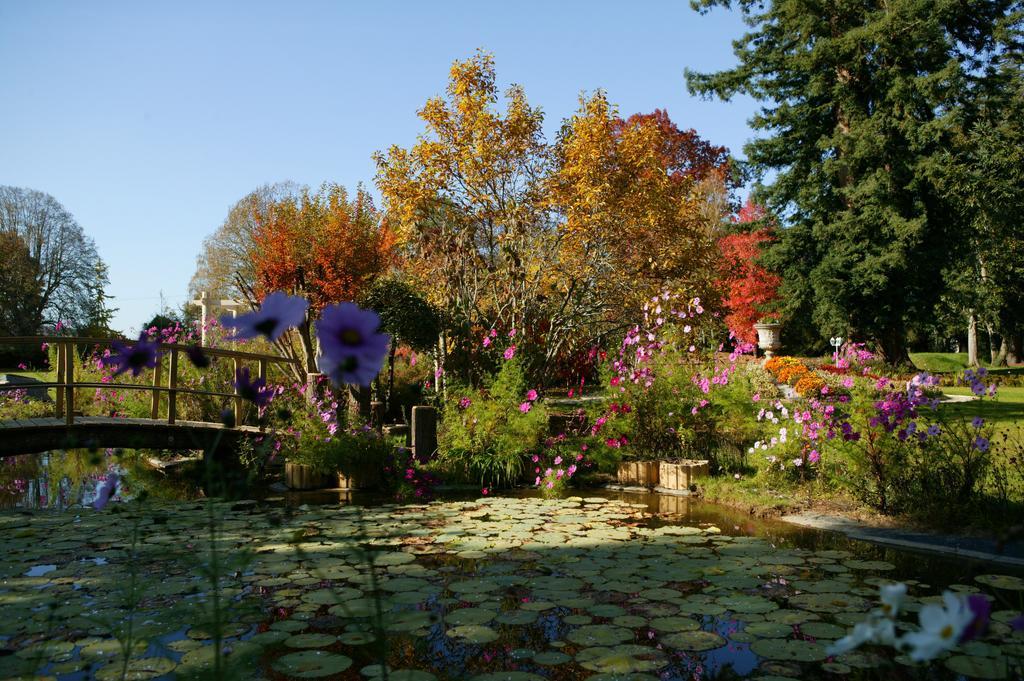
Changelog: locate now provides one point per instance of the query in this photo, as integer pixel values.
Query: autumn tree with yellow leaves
(559, 241)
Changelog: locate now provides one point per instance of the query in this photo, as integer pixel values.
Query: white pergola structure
(208, 305)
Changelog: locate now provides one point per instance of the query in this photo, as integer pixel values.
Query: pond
(599, 586)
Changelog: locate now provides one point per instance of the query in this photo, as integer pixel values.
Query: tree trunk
(999, 358)
(1013, 350)
(893, 346)
(972, 339)
(993, 351)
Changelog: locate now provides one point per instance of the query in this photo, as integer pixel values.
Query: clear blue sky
(148, 120)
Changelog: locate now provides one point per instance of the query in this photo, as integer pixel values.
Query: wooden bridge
(69, 428)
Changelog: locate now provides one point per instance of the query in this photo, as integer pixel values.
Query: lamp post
(836, 342)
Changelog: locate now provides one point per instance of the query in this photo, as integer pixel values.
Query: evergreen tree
(860, 107)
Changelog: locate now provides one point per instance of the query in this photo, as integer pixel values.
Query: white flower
(783, 434)
(941, 627)
(785, 413)
(873, 630)
(862, 633)
(892, 596)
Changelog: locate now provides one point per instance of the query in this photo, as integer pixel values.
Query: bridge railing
(65, 384)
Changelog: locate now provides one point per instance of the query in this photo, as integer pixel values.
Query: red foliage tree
(684, 154)
(748, 287)
(322, 246)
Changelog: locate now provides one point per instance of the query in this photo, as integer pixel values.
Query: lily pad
(694, 641)
(312, 664)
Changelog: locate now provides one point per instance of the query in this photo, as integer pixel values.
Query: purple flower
(278, 313)
(933, 430)
(353, 351)
(133, 357)
(256, 391)
(105, 491)
(981, 609)
(981, 444)
(465, 402)
(978, 422)
(197, 357)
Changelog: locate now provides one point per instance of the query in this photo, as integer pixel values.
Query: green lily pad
(551, 658)
(473, 633)
(600, 635)
(311, 664)
(796, 651)
(1004, 582)
(621, 659)
(138, 668)
(310, 640)
(694, 641)
(977, 667)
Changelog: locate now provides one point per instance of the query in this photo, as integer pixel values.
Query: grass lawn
(1005, 412)
(953, 362)
(44, 376)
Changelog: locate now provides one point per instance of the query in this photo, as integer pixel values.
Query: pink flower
(848, 382)
(814, 457)
(487, 341)
(550, 485)
(510, 352)
(535, 458)
(558, 460)
(525, 407)
(756, 397)
(531, 395)
(537, 481)
(494, 333)
(512, 333)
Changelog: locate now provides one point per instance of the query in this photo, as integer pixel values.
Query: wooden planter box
(680, 475)
(638, 473)
(365, 478)
(300, 476)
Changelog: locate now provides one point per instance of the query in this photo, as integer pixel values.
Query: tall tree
(225, 267)
(20, 297)
(984, 178)
(748, 287)
(860, 103)
(323, 246)
(66, 257)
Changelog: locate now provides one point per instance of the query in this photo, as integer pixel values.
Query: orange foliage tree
(325, 247)
(749, 289)
(641, 200)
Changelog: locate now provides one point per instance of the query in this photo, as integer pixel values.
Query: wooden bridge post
(172, 383)
(238, 399)
(424, 432)
(158, 372)
(69, 383)
(59, 407)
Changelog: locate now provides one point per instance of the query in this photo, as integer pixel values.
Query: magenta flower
(256, 391)
(134, 357)
(278, 313)
(353, 350)
(531, 395)
(465, 402)
(510, 352)
(525, 407)
(487, 341)
(106, 491)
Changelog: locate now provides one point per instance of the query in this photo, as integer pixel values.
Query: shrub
(487, 435)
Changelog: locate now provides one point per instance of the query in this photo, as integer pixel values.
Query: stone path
(975, 548)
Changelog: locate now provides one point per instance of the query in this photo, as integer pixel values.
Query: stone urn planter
(638, 474)
(769, 338)
(679, 475)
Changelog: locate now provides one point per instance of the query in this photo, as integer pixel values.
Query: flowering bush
(487, 434)
(907, 454)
